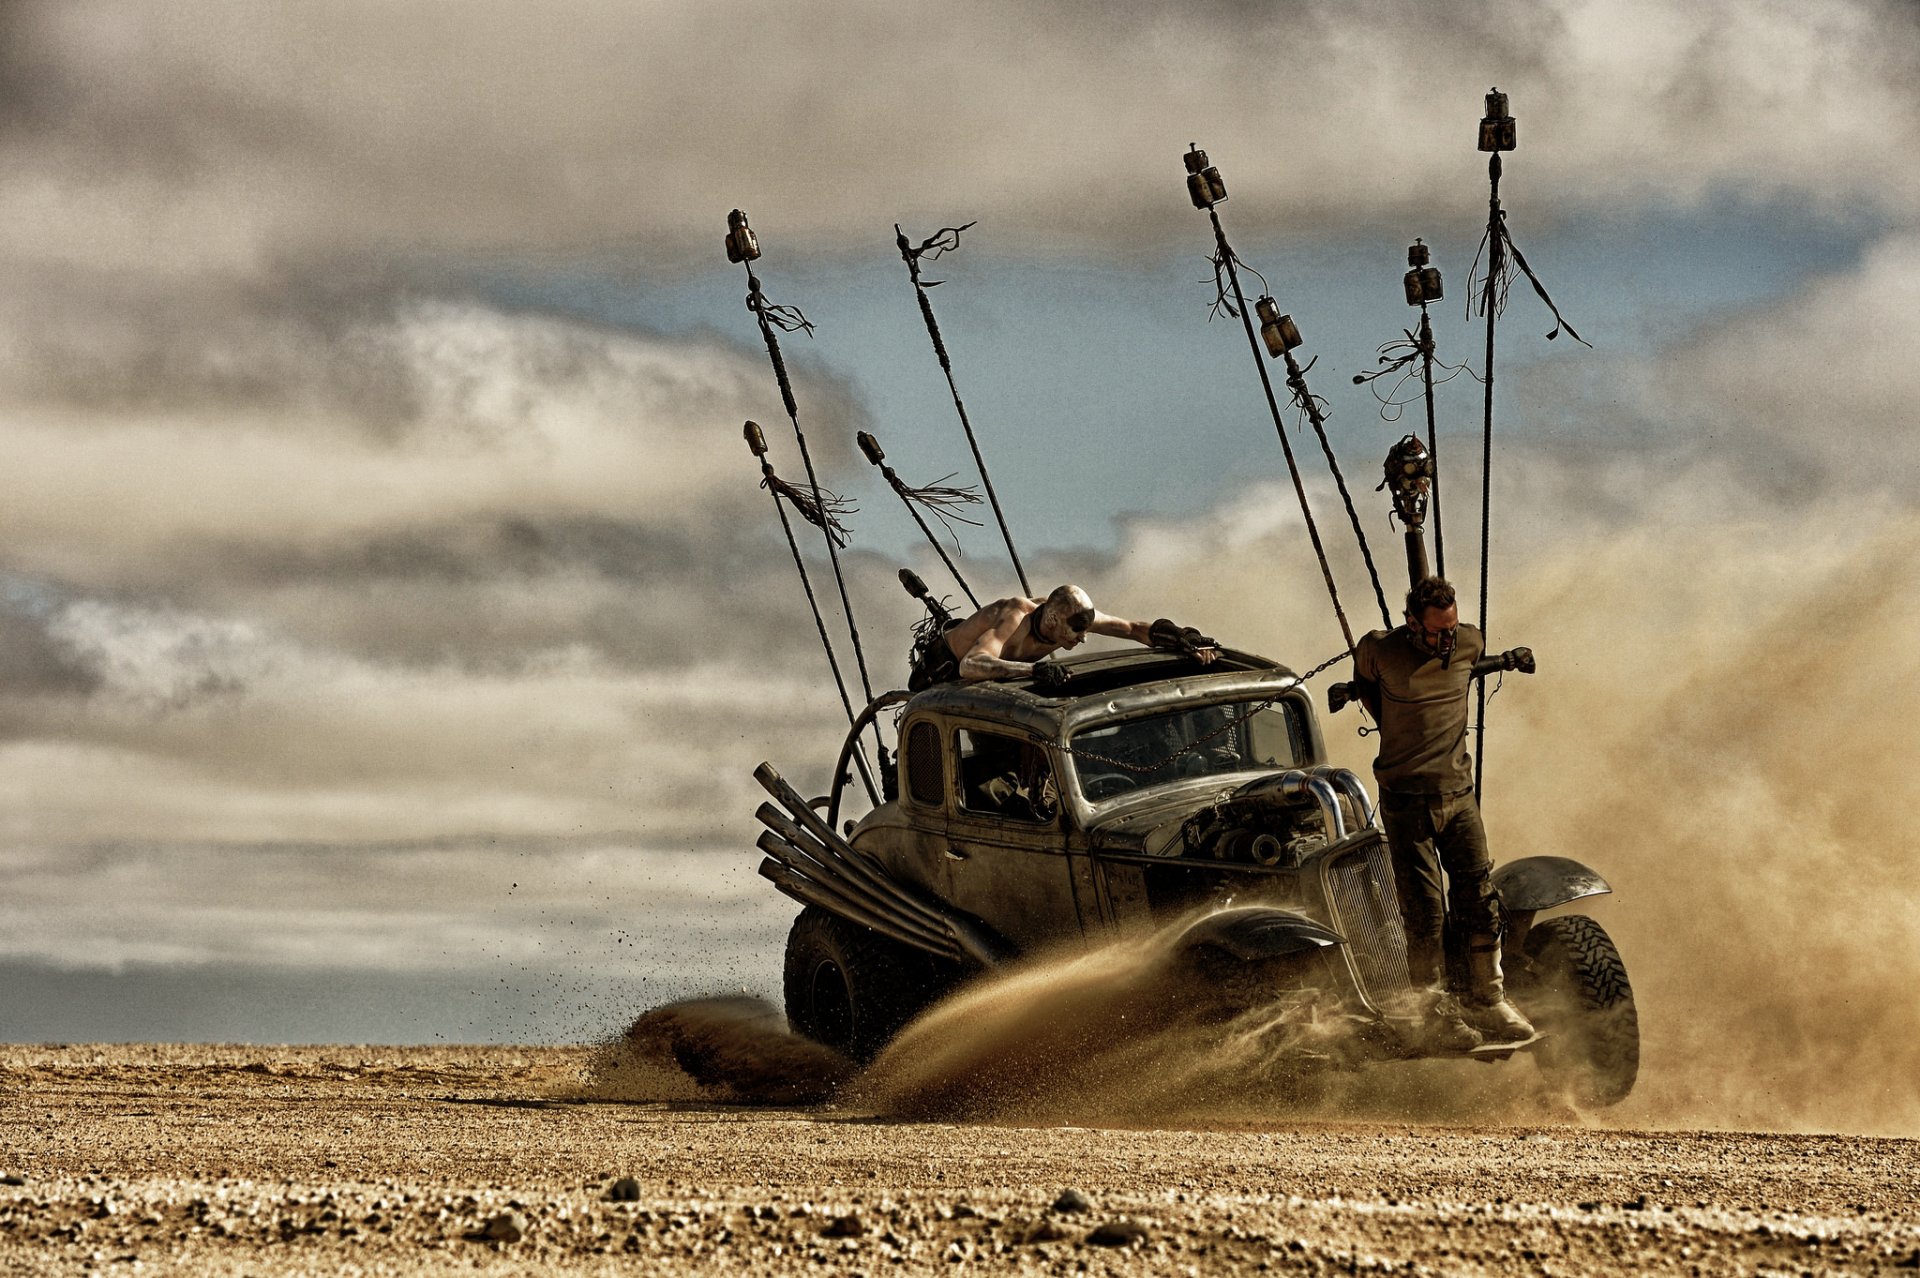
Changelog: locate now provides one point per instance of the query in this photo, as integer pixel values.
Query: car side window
(922, 764)
(1005, 777)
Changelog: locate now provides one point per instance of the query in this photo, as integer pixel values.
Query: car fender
(1535, 883)
(1254, 932)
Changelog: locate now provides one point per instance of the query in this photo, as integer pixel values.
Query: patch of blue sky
(1101, 388)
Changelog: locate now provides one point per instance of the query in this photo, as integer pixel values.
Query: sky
(389, 617)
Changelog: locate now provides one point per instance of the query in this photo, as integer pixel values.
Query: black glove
(1520, 659)
(1339, 694)
(1050, 676)
(1167, 634)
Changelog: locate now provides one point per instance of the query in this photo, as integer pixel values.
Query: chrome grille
(1366, 910)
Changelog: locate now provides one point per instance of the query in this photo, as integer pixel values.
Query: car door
(1006, 840)
(918, 855)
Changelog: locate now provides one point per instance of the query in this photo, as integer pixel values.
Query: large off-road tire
(851, 988)
(1281, 1034)
(1576, 991)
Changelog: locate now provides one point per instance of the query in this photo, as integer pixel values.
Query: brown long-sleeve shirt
(1422, 710)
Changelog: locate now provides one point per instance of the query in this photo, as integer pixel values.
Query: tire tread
(888, 983)
(1597, 1057)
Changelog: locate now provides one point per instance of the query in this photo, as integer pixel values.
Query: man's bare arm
(984, 660)
(977, 665)
(1119, 628)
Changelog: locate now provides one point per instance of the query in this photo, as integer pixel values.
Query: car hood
(1151, 824)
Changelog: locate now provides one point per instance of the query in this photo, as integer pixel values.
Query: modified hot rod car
(1147, 791)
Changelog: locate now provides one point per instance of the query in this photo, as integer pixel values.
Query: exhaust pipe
(1353, 787)
(1296, 784)
(857, 878)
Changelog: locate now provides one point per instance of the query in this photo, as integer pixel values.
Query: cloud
(429, 567)
(136, 143)
(1821, 384)
(562, 905)
(436, 412)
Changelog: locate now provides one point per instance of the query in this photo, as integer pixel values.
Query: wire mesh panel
(1366, 910)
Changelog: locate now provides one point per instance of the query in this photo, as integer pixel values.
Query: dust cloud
(727, 1049)
(1724, 726)
(1118, 1037)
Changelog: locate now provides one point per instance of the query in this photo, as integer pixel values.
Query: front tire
(1576, 992)
(849, 987)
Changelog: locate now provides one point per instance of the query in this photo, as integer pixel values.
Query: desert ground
(150, 1159)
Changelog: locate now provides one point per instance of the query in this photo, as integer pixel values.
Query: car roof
(1021, 701)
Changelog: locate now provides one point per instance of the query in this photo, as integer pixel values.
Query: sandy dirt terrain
(231, 1160)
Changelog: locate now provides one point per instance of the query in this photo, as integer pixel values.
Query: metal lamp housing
(1277, 330)
(742, 244)
(1498, 130)
(1423, 285)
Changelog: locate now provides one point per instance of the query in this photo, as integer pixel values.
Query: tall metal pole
(1433, 442)
(1424, 285)
(1486, 473)
(1297, 383)
(744, 247)
(1497, 133)
(757, 444)
(1412, 469)
(947, 239)
(1208, 188)
(871, 447)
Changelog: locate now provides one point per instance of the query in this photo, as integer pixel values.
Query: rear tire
(1576, 992)
(851, 988)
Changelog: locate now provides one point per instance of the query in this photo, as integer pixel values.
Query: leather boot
(1439, 1025)
(1486, 1005)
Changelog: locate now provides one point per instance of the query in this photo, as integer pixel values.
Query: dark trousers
(1430, 834)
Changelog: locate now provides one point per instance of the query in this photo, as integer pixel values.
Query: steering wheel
(1108, 784)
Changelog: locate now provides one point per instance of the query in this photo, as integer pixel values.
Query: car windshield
(1242, 736)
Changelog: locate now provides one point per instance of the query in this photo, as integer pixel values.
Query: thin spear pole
(1297, 383)
(757, 303)
(758, 444)
(1496, 247)
(912, 258)
(871, 447)
(1273, 407)
(1433, 441)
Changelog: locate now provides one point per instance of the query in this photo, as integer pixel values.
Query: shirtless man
(1007, 638)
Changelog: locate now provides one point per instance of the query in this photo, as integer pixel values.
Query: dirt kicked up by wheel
(1577, 993)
